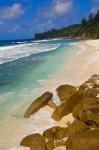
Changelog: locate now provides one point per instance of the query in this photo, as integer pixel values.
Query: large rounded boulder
(34, 142)
(65, 91)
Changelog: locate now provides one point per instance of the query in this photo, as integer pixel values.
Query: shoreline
(82, 70)
(79, 70)
(79, 67)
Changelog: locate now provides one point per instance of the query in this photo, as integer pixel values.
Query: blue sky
(23, 18)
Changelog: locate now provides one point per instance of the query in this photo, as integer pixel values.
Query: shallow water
(23, 69)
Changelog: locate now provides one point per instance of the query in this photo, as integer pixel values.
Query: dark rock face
(88, 140)
(34, 142)
(38, 103)
(68, 105)
(65, 91)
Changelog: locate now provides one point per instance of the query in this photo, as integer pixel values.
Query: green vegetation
(87, 29)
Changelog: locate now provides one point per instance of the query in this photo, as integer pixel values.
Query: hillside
(88, 28)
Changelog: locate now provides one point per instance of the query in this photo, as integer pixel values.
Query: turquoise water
(22, 70)
(25, 73)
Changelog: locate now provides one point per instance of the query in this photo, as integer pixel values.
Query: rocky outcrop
(88, 140)
(83, 133)
(93, 81)
(34, 142)
(51, 136)
(38, 103)
(67, 107)
(87, 111)
(65, 91)
(76, 127)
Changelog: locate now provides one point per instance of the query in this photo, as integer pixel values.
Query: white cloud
(56, 9)
(11, 12)
(48, 16)
(62, 7)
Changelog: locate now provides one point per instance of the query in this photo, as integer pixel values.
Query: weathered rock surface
(93, 81)
(38, 103)
(67, 107)
(51, 132)
(90, 118)
(88, 140)
(34, 142)
(51, 135)
(76, 127)
(87, 111)
(83, 133)
(65, 91)
(93, 92)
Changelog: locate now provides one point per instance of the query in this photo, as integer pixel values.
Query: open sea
(24, 66)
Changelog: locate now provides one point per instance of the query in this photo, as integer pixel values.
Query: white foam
(47, 40)
(10, 53)
(22, 42)
(19, 148)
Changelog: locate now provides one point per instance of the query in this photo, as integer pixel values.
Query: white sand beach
(80, 66)
(92, 43)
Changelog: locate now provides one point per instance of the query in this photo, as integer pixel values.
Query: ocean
(24, 68)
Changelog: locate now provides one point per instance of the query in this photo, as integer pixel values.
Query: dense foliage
(88, 28)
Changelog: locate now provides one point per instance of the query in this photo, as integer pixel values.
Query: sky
(21, 19)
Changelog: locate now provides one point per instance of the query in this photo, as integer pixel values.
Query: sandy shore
(92, 43)
(81, 66)
(88, 64)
